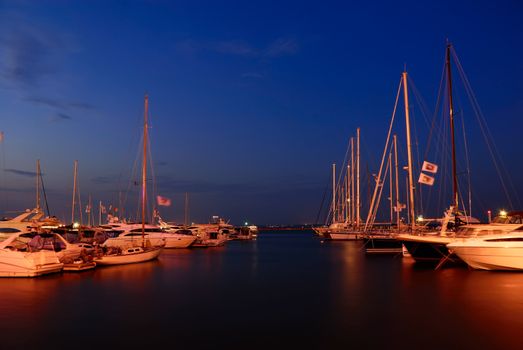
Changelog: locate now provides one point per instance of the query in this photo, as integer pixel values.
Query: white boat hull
(491, 258)
(178, 241)
(343, 236)
(129, 257)
(28, 264)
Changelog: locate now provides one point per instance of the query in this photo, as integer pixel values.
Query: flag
(1, 136)
(425, 179)
(430, 167)
(163, 201)
(87, 208)
(399, 207)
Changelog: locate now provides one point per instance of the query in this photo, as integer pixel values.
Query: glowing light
(503, 213)
(76, 225)
(246, 223)
(420, 218)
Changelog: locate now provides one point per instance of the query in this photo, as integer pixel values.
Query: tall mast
(144, 167)
(74, 189)
(390, 190)
(451, 114)
(347, 195)
(358, 177)
(38, 184)
(397, 181)
(186, 219)
(409, 152)
(352, 211)
(333, 193)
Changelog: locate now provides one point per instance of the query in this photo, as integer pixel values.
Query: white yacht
(494, 250)
(22, 254)
(128, 233)
(29, 218)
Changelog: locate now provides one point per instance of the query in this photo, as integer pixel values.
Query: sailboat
(347, 228)
(432, 247)
(135, 253)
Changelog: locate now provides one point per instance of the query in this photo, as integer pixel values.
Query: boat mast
(451, 114)
(347, 195)
(333, 192)
(394, 138)
(144, 167)
(358, 178)
(352, 181)
(38, 184)
(186, 218)
(390, 190)
(75, 172)
(409, 152)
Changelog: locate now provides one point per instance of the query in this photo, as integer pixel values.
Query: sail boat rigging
(133, 253)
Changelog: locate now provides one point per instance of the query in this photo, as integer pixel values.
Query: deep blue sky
(250, 101)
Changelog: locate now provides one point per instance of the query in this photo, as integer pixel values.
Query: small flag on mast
(426, 179)
(429, 167)
(163, 201)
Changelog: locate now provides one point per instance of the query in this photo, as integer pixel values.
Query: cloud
(29, 53)
(281, 47)
(56, 103)
(234, 47)
(21, 172)
(60, 117)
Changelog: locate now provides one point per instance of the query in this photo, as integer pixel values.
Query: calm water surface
(285, 289)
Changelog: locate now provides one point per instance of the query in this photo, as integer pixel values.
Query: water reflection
(283, 287)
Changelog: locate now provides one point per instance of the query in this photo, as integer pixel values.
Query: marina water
(287, 288)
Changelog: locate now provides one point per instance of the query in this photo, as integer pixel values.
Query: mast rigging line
(487, 135)
(372, 208)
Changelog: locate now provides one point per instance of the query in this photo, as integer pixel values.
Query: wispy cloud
(279, 47)
(61, 117)
(56, 103)
(29, 53)
(21, 172)
(235, 47)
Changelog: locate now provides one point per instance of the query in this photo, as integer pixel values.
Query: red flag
(163, 201)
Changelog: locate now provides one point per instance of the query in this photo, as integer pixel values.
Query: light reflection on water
(284, 287)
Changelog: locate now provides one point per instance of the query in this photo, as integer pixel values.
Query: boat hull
(343, 236)
(429, 249)
(129, 257)
(491, 258)
(179, 241)
(22, 264)
(382, 245)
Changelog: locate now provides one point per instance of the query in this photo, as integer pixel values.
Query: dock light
(76, 225)
(246, 223)
(503, 213)
(420, 218)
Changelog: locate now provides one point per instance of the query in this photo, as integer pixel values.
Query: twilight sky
(250, 101)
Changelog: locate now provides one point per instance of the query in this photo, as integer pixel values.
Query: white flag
(425, 179)
(430, 167)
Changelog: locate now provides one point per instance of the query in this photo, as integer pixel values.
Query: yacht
(127, 233)
(492, 248)
(29, 218)
(22, 254)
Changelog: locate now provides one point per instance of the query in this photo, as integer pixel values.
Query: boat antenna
(453, 143)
